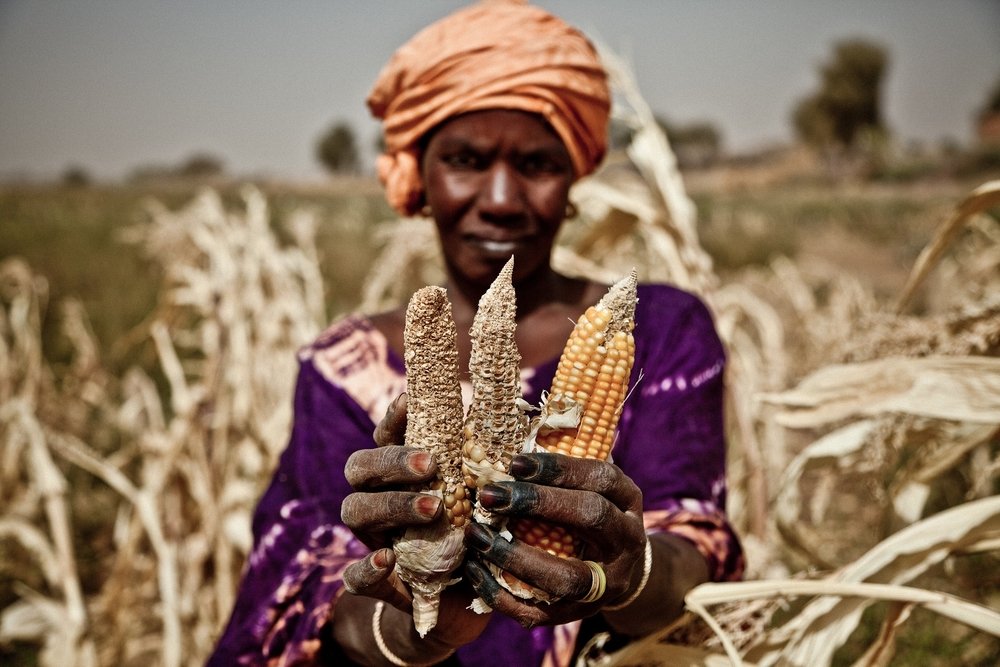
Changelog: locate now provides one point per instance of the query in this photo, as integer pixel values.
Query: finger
(501, 600)
(591, 515)
(374, 576)
(568, 578)
(377, 513)
(392, 429)
(570, 472)
(369, 469)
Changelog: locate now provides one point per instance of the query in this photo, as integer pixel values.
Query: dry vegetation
(863, 429)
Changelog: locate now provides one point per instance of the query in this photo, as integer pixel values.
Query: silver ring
(598, 582)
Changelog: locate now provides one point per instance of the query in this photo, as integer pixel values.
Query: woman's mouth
(494, 247)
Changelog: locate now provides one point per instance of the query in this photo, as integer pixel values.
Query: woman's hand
(382, 507)
(596, 501)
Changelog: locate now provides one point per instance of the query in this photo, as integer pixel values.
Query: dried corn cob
(581, 412)
(495, 426)
(427, 556)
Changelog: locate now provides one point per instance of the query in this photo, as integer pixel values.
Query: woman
(490, 115)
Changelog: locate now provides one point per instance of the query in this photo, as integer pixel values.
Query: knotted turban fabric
(496, 54)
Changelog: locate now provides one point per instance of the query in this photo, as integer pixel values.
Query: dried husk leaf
(960, 388)
(980, 199)
(881, 651)
(816, 646)
(811, 637)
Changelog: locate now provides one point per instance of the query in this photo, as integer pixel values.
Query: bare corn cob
(495, 426)
(581, 412)
(426, 556)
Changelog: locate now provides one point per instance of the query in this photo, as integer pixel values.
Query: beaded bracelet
(384, 650)
(647, 567)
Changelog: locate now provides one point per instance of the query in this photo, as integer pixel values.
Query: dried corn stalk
(496, 425)
(426, 556)
(580, 414)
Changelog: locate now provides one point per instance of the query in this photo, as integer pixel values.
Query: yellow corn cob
(426, 556)
(591, 381)
(495, 425)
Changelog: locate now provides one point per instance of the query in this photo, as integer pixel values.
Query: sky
(112, 85)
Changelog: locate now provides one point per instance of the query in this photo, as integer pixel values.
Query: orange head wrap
(496, 54)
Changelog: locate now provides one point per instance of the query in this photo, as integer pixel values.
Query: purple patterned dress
(670, 442)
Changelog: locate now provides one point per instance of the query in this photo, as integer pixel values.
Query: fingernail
(428, 505)
(419, 462)
(494, 497)
(523, 467)
(479, 538)
(474, 573)
(379, 559)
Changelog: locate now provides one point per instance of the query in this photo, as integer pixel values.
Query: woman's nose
(502, 194)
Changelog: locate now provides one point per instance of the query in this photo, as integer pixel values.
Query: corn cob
(426, 556)
(580, 414)
(495, 426)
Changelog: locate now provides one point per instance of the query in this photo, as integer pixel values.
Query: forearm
(677, 567)
(355, 632)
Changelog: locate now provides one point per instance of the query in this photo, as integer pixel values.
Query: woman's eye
(461, 160)
(540, 164)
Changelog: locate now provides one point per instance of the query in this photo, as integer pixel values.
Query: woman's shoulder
(666, 303)
(345, 327)
(354, 355)
(673, 323)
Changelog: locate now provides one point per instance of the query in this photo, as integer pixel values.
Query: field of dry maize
(863, 410)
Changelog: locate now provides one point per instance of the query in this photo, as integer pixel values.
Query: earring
(426, 211)
(571, 210)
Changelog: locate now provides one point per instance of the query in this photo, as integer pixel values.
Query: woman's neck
(537, 290)
(547, 305)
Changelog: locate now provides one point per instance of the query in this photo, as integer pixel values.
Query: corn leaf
(958, 388)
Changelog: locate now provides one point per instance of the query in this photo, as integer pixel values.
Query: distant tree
(148, 173)
(992, 104)
(337, 149)
(197, 166)
(76, 176)
(696, 144)
(200, 165)
(619, 134)
(988, 120)
(848, 102)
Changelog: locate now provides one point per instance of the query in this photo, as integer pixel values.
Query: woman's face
(497, 182)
